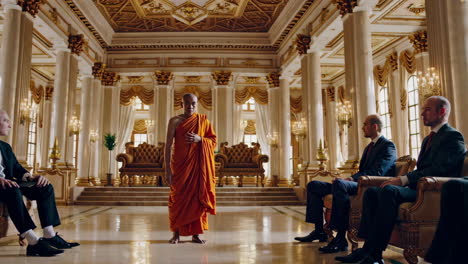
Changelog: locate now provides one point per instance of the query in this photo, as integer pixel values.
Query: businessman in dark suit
(442, 154)
(378, 159)
(451, 237)
(15, 181)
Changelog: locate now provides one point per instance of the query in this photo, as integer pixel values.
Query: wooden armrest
(222, 159)
(372, 181)
(259, 159)
(125, 159)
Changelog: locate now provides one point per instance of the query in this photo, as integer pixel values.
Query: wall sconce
(273, 140)
(75, 125)
(322, 156)
(344, 113)
(299, 128)
(27, 111)
(428, 83)
(93, 135)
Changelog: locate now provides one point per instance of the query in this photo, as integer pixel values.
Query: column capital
(109, 78)
(75, 43)
(302, 43)
(419, 41)
(346, 6)
(163, 77)
(30, 6)
(98, 69)
(222, 77)
(273, 79)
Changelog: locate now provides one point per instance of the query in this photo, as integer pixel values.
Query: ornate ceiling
(191, 15)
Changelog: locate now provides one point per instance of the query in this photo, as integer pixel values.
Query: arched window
(31, 157)
(140, 106)
(413, 112)
(249, 105)
(384, 112)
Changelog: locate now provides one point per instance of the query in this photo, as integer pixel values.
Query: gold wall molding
(299, 15)
(192, 79)
(222, 77)
(273, 79)
(204, 97)
(302, 43)
(419, 41)
(146, 95)
(243, 95)
(75, 43)
(346, 6)
(135, 79)
(252, 79)
(163, 77)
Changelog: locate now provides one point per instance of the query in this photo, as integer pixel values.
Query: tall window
(413, 110)
(31, 157)
(248, 139)
(249, 105)
(384, 112)
(139, 105)
(139, 138)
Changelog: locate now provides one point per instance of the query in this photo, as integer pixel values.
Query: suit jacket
(444, 158)
(12, 169)
(381, 161)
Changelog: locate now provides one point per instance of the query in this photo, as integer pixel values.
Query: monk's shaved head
(189, 95)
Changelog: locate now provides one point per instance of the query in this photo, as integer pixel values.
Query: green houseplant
(109, 143)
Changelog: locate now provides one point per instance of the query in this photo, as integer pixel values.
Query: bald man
(378, 159)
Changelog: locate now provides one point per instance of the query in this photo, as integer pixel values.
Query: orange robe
(192, 193)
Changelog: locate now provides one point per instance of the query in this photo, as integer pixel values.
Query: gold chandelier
(428, 83)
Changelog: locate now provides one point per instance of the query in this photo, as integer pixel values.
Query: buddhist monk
(190, 172)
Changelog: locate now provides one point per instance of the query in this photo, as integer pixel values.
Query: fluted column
(224, 106)
(312, 102)
(273, 133)
(60, 100)
(333, 129)
(111, 87)
(9, 54)
(84, 147)
(99, 157)
(46, 126)
(71, 111)
(285, 132)
(447, 26)
(164, 100)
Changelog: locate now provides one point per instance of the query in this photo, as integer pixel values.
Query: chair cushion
(144, 165)
(242, 165)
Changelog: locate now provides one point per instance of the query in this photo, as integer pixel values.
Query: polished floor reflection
(138, 235)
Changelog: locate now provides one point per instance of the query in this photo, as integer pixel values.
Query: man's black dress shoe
(372, 260)
(336, 245)
(314, 235)
(357, 255)
(60, 243)
(43, 249)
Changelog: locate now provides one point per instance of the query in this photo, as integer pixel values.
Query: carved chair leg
(257, 178)
(241, 181)
(263, 180)
(220, 181)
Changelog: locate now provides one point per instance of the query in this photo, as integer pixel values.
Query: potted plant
(109, 143)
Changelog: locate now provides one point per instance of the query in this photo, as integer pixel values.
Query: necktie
(370, 147)
(428, 141)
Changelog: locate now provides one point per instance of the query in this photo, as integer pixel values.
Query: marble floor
(138, 235)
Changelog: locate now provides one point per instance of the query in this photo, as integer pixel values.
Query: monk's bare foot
(196, 239)
(175, 238)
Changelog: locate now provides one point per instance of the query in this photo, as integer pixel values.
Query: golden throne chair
(142, 165)
(417, 221)
(241, 161)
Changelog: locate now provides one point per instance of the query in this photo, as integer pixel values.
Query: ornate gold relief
(416, 8)
(163, 77)
(222, 77)
(75, 43)
(49, 90)
(109, 78)
(331, 93)
(192, 79)
(419, 41)
(346, 6)
(302, 43)
(98, 69)
(252, 80)
(53, 15)
(30, 6)
(324, 15)
(135, 79)
(273, 79)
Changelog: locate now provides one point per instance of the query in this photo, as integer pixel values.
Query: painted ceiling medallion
(190, 12)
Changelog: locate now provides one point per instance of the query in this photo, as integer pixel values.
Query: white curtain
(126, 122)
(262, 120)
(237, 134)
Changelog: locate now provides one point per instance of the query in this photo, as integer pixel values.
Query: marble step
(153, 203)
(166, 189)
(164, 198)
(165, 194)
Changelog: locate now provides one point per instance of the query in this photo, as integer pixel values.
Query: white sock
(48, 232)
(31, 237)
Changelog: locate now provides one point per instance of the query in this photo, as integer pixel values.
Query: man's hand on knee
(5, 183)
(41, 180)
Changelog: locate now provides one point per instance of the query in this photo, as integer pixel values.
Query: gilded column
(273, 133)
(9, 54)
(60, 100)
(333, 129)
(164, 100)
(224, 106)
(285, 132)
(111, 86)
(447, 26)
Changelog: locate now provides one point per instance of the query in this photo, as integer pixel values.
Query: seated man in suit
(451, 237)
(15, 181)
(442, 154)
(378, 159)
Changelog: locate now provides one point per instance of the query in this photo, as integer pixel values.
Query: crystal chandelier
(428, 83)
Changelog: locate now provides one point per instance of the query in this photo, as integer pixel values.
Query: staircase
(158, 196)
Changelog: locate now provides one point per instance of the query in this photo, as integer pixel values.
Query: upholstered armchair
(241, 161)
(417, 221)
(142, 165)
